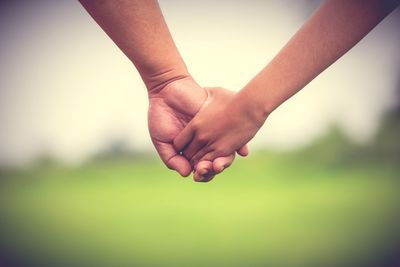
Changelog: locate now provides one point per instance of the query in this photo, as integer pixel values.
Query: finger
(204, 171)
(211, 155)
(198, 156)
(183, 138)
(243, 151)
(221, 163)
(195, 146)
(172, 159)
(180, 164)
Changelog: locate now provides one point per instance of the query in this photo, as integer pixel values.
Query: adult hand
(170, 110)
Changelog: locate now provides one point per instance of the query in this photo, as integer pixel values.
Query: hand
(170, 109)
(226, 122)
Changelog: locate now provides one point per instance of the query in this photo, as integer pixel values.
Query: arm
(331, 31)
(138, 28)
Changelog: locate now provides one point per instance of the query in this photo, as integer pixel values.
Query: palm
(164, 124)
(169, 112)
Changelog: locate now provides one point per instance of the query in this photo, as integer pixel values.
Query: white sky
(67, 91)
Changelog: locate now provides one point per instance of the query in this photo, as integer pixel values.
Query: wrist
(250, 105)
(157, 79)
(253, 105)
(180, 91)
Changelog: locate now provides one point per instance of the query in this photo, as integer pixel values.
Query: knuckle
(219, 151)
(202, 137)
(195, 125)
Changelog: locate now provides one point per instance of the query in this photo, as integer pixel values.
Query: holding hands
(200, 130)
(170, 110)
(225, 123)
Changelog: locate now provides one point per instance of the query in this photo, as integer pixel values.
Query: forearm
(331, 31)
(138, 28)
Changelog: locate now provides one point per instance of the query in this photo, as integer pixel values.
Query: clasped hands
(200, 130)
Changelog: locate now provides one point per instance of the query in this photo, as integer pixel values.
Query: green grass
(268, 210)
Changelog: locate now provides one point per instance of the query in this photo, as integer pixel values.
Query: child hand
(225, 123)
(205, 170)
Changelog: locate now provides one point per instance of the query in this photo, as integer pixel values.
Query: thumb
(243, 151)
(183, 138)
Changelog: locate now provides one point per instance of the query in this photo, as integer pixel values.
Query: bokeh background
(81, 185)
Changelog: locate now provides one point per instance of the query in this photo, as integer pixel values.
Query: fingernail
(224, 167)
(199, 179)
(203, 176)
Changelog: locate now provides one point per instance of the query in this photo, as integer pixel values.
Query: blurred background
(81, 185)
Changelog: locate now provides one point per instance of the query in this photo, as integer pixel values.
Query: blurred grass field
(331, 204)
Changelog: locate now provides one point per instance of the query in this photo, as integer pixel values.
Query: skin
(138, 28)
(334, 28)
(169, 112)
